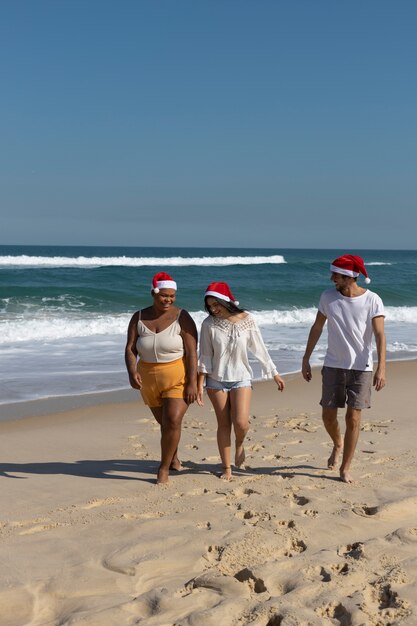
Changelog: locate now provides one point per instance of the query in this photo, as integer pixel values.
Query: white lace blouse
(224, 349)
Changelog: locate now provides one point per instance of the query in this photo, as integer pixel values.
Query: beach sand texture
(87, 538)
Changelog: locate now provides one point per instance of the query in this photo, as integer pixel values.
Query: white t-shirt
(224, 349)
(350, 332)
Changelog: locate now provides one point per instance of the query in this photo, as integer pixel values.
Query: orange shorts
(161, 380)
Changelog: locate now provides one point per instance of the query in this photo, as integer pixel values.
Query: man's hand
(379, 379)
(306, 370)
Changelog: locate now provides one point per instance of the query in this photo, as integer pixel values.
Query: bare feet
(345, 476)
(333, 458)
(162, 476)
(176, 465)
(240, 455)
(227, 473)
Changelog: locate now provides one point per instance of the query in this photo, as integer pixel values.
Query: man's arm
(313, 337)
(379, 333)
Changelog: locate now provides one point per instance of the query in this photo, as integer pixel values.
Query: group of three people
(162, 362)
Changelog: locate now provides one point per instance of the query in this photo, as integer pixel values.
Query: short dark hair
(230, 306)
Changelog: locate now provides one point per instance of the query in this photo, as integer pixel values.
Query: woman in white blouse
(227, 334)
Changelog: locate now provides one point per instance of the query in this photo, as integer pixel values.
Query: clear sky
(259, 123)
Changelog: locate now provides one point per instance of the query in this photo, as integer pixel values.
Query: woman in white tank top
(161, 360)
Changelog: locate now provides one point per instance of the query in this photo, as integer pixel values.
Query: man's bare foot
(345, 476)
(162, 477)
(176, 465)
(227, 473)
(334, 457)
(240, 455)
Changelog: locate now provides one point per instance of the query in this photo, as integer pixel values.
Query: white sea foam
(57, 325)
(179, 261)
(406, 314)
(400, 346)
(378, 263)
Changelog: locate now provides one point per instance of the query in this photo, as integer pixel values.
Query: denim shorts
(227, 385)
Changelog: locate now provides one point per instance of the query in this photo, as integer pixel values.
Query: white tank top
(162, 347)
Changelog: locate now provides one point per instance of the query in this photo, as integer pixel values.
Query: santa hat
(350, 265)
(221, 291)
(162, 280)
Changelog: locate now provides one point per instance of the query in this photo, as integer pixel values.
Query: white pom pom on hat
(163, 280)
(350, 265)
(221, 291)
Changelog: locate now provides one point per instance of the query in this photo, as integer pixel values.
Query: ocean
(65, 310)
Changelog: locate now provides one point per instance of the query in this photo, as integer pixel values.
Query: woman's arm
(131, 353)
(189, 338)
(200, 388)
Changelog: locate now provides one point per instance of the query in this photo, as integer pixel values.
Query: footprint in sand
(390, 602)
(204, 526)
(378, 427)
(92, 504)
(246, 491)
(253, 517)
(223, 585)
(283, 523)
(397, 508)
(295, 424)
(404, 535)
(271, 457)
(296, 547)
(353, 551)
(256, 584)
(327, 576)
(214, 554)
(335, 611)
(299, 500)
(41, 528)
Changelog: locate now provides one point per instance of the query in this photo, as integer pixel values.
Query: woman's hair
(227, 305)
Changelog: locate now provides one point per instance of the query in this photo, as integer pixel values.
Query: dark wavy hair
(230, 306)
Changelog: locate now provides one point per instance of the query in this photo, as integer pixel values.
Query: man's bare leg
(353, 423)
(331, 425)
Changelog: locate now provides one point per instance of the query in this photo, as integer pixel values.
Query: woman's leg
(221, 405)
(157, 413)
(173, 411)
(240, 405)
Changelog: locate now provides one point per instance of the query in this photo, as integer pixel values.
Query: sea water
(65, 310)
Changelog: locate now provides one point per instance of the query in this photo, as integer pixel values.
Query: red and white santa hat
(350, 265)
(221, 291)
(162, 280)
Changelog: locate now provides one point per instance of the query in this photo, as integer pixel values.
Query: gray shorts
(351, 387)
(226, 385)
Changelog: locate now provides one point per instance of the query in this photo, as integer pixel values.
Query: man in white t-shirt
(354, 315)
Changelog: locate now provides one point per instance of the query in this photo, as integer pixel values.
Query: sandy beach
(87, 538)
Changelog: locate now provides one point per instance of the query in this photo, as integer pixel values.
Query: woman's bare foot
(176, 465)
(240, 455)
(162, 476)
(227, 473)
(345, 476)
(334, 457)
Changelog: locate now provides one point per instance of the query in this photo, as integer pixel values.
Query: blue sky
(209, 122)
